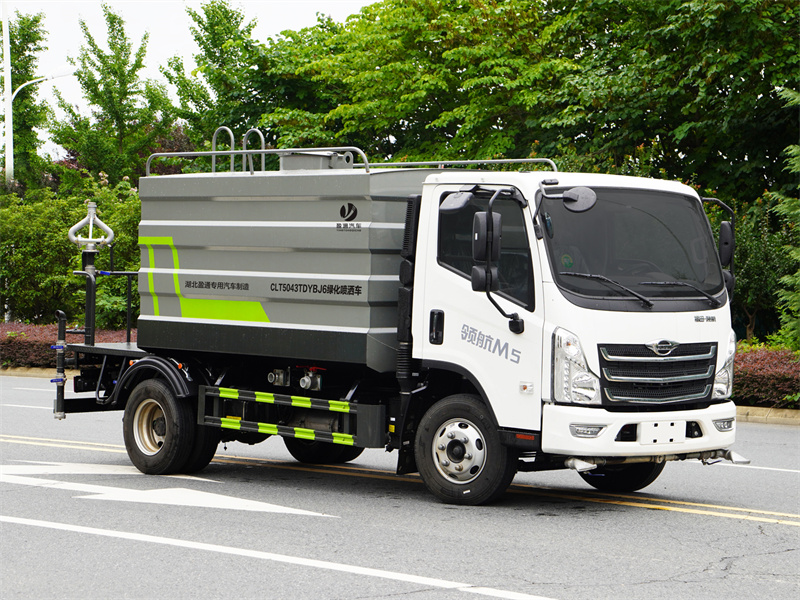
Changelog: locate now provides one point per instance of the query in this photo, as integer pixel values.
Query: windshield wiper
(605, 279)
(714, 302)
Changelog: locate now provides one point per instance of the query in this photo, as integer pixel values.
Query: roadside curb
(773, 416)
(744, 414)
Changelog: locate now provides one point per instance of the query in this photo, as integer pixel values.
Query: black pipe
(60, 380)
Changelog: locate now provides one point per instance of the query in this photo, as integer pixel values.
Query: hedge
(24, 345)
(767, 377)
(762, 376)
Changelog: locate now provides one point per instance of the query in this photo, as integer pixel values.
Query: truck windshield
(655, 244)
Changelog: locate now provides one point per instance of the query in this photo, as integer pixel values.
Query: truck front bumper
(594, 432)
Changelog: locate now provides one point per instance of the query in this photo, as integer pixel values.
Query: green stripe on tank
(199, 308)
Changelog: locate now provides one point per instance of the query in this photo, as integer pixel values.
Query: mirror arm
(730, 212)
(515, 324)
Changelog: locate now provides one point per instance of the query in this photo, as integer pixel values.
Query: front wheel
(623, 478)
(158, 429)
(459, 454)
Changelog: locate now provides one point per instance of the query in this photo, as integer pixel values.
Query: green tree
(789, 208)
(238, 79)
(700, 77)
(761, 260)
(36, 258)
(423, 79)
(219, 91)
(26, 41)
(129, 115)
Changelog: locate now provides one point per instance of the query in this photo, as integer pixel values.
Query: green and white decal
(196, 308)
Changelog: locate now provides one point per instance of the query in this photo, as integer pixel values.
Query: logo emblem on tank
(348, 211)
(662, 348)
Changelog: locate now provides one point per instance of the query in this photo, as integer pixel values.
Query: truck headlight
(573, 382)
(723, 381)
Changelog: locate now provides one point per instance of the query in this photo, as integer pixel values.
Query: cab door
(458, 329)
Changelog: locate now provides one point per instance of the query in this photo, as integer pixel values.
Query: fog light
(724, 424)
(586, 431)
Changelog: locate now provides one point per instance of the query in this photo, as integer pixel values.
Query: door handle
(437, 327)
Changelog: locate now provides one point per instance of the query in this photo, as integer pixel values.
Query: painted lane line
(30, 389)
(39, 439)
(50, 408)
(281, 558)
(169, 496)
(796, 471)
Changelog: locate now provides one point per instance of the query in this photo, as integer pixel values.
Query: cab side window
(514, 268)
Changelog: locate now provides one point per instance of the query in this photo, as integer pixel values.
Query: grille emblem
(662, 348)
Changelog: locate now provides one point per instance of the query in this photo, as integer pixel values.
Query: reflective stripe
(268, 428)
(230, 423)
(265, 397)
(304, 434)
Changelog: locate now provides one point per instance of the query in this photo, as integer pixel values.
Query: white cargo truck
(479, 322)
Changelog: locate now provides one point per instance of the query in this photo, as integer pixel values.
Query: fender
(155, 366)
(523, 440)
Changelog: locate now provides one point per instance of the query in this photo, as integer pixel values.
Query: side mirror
(455, 202)
(579, 199)
(483, 244)
(727, 243)
(485, 280)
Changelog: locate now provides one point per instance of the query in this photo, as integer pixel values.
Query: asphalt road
(78, 521)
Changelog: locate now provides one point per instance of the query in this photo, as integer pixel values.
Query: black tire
(206, 440)
(623, 478)
(159, 430)
(320, 453)
(470, 466)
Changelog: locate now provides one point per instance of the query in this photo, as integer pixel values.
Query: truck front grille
(636, 374)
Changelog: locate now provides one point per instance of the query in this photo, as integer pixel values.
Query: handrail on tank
(214, 149)
(250, 157)
(444, 163)
(233, 153)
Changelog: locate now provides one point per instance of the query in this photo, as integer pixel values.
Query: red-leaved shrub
(766, 377)
(24, 345)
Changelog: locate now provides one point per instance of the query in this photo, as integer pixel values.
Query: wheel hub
(149, 427)
(459, 452)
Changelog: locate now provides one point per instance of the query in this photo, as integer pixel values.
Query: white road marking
(50, 408)
(14, 474)
(724, 464)
(281, 558)
(30, 389)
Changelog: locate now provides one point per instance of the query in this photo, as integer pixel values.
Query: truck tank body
(292, 264)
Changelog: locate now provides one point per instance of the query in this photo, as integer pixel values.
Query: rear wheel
(320, 453)
(206, 440)
(158, 429)
(623, 478)
(459, 454)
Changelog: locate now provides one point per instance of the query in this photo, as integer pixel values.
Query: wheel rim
(149, 427)
(459, 451)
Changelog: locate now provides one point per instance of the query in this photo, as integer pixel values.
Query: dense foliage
(26, 41)
(128, 114)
